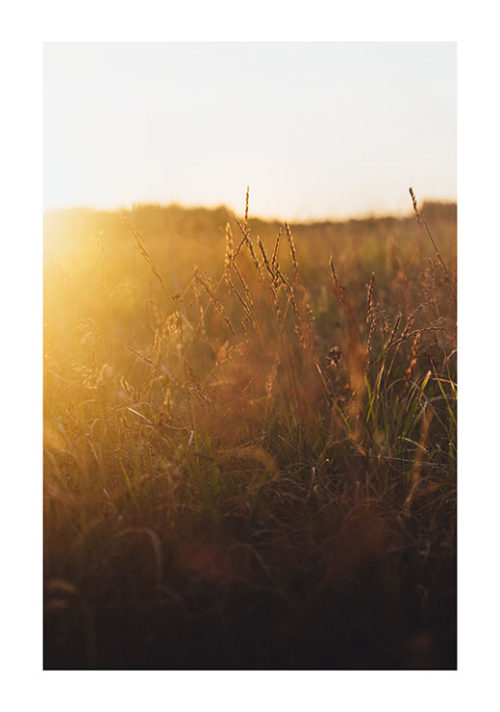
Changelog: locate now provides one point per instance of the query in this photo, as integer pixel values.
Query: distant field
(249, 441)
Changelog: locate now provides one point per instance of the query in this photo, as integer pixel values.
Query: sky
(317, 130)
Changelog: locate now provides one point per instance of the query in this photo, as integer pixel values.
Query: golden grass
(248, 443)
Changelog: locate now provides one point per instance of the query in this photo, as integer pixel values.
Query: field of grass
(249, 441)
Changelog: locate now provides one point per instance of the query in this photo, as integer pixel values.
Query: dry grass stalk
(293, 251)
(274, 284)
(238, 296)
(217, 303)
(394, 331)
(246, 240)
(274, 261)
(353, 350)
(271, 379)
(141, 247)
(416, 476)
(338, 288)
(423, 223)
(413, 358)
(199, 304)
(370, 318)
(229, 255)
(244, 284)
(303, 322)
(246, 206)
(269, 269)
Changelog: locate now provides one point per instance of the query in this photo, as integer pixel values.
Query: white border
(25, 26)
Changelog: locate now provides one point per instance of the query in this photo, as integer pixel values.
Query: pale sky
(316, 130)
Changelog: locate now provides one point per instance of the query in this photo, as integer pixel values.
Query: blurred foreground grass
(250, 441)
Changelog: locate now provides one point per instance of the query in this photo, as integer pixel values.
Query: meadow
(249, 440)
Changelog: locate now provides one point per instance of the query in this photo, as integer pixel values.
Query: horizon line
(368, 215)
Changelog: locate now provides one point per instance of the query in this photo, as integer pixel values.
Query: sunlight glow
(315, 129)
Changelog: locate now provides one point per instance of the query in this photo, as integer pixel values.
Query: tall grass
(250, 446)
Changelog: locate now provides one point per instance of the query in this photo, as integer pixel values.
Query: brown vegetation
(250, 434)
